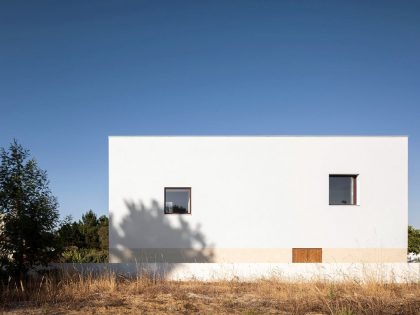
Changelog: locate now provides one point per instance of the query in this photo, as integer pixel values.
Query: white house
(258, 199)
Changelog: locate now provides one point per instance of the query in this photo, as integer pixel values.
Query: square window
(343, 189)
(177, 200)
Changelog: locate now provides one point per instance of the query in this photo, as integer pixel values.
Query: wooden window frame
(355, 177)
(181, 188)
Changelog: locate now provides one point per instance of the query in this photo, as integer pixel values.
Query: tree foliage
(85, 240)
(413, 240)
(28, 213)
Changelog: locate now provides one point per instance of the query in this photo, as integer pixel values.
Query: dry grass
(109, 293)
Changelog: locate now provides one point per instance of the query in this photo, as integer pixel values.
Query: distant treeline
(413, 240)
(84, 241)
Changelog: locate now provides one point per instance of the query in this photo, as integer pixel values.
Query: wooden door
(307, 255)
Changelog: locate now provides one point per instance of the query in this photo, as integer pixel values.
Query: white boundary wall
(388, 272)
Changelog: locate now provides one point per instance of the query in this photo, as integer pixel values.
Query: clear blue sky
(74, 72)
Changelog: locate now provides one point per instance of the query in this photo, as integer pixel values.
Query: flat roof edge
(258, 136)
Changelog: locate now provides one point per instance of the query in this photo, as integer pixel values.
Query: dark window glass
(177, 200)
(343, 189)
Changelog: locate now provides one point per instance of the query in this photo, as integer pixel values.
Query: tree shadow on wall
(147, 235)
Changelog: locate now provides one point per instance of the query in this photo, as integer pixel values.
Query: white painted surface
(262, 192)
(395, 272)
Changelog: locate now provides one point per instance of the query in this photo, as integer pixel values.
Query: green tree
(89, 227)
(84, 241)
(103, 232)
(70, 233)
(28, 213)
(413, 240)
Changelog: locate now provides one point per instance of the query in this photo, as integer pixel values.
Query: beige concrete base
(253, 255)
(364, 255)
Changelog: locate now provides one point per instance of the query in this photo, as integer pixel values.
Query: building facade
(258, 199)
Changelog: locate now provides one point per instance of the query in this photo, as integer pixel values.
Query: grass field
(112, 294)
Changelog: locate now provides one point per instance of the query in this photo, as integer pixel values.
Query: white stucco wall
(260, 192)
(359, 272)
